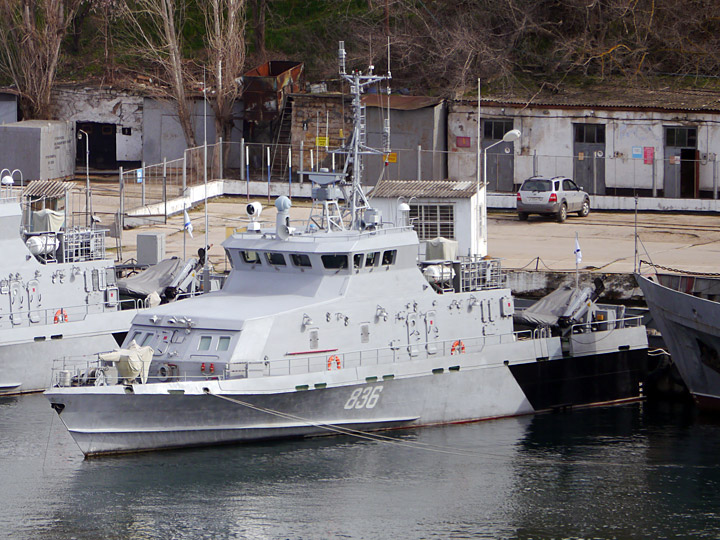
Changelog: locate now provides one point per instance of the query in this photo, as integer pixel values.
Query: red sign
(649, 155)
(462, 142)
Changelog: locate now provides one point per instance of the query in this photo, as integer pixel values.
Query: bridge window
(250, 257)
(301, 260)
(223, 343)
(389, 257)
(335, 261)
(371, 259)
(275, 259)
(204, 344)
(357, 261)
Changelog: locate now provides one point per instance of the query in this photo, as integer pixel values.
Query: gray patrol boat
(59, 294)
(334, 327)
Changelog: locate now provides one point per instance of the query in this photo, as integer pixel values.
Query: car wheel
(562, 213)
(585, 210)
(522, 216)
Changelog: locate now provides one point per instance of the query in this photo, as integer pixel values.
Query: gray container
(40, 149)
(150, 248)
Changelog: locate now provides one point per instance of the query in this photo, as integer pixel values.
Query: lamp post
(510, 136)
(87, 174)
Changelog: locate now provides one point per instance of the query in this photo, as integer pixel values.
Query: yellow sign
(321, 141)
(391, 157)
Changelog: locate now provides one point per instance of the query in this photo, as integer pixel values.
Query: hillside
(441, 48)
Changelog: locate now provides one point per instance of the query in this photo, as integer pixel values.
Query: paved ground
(683, 241)
(689, 242)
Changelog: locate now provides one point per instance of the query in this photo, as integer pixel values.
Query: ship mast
(355, 201)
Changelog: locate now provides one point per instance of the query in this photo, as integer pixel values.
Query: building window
(495, 129)
(681, 137)
(590, 133)
(433, 220)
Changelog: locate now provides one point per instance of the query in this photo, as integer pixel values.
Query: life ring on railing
(61, 316)
(457, 348)
(334, 358)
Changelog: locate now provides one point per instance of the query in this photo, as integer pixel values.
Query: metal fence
(151, 186)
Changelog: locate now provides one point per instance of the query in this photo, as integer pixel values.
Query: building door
(501, 157)
(589, 157)
(102, 138)
(680, 166)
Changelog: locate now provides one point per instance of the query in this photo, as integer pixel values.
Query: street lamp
(510, 136)
(87, 174)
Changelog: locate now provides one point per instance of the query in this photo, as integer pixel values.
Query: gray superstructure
(335, 327)
(58, 294)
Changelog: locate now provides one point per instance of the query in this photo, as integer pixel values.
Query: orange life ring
(457, 347)
(334, 358)
(61, 316)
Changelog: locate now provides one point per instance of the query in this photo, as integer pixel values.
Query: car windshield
(537, 185)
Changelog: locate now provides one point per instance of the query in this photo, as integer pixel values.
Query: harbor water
(633, 471)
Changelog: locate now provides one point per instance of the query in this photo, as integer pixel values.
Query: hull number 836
(364, 398)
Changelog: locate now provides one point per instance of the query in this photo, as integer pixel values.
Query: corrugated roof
(609, 96)
(400, 102)
(429, 189)
(51, 189)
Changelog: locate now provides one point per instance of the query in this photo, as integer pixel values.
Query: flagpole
(577, 268)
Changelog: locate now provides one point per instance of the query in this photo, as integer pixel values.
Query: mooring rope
(376, 437)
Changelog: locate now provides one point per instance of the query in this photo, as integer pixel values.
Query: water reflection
(623, 472)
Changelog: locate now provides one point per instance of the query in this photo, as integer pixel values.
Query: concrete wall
(40, 149)
(324, 115)
(107, 106)
(409, 129)
(163, 137)
(331, 116)
(8, 108)
(546, 145)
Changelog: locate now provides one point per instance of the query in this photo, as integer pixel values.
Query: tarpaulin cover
(547, 310)
(155, 279)
(131, 362)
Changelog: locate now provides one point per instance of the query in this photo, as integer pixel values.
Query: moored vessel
(334, 327)
(687, 312)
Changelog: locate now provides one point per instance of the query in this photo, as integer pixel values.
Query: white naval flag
(578, 252)
(187, 224)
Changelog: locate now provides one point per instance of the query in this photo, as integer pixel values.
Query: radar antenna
(356, 203)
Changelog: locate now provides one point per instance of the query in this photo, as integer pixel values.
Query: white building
(438, 208)
(649, 149)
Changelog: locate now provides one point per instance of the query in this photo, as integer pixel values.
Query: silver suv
(551, 196)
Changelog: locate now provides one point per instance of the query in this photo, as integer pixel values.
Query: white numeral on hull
(364, 398)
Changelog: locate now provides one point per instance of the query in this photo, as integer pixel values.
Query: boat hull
(27, 354)
(107, 420)
(690, 327)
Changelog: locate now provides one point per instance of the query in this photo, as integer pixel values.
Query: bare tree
(225, 37)
(31, 32)
(156, 27)
(259, 27)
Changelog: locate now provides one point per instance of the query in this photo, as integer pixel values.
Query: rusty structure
(267, 86)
